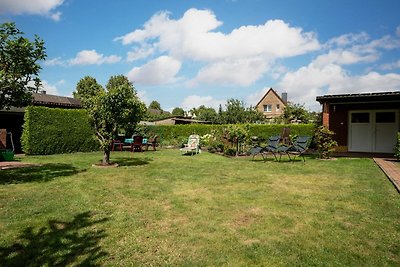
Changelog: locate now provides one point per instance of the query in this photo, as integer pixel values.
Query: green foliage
(53, 131)
(397, 147)
(18, 66)
(236, 135)
(86, 88)
(168, 133)
(296, 112)
(205, 113)
(325, 144)
(155, 105)
(178, 112)
(118, 107)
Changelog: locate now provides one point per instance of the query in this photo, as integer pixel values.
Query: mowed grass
(164, 209)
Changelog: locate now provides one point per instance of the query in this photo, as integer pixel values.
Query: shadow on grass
(42, 173)
(58, 244)
(132, 161)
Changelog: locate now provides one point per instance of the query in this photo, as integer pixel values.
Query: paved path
(392, 170)
(4, 165)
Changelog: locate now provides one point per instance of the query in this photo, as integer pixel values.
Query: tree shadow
(59, 244)
(132, 161)
(41, 173)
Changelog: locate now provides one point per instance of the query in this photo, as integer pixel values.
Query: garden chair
(117, 143)
(137, 143)
(192, 145)
(298, 148)
(152, 142)
(272, 147)
(285, 136)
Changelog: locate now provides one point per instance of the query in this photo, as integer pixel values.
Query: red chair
(137, 143)
(119, 143)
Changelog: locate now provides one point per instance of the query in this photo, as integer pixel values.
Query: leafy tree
(205, 113)
(155, 105)
(111, 109)
(236, 134)
(86, 88)
(235, 112)
(18, 66)
(178, 112)
(295, 112)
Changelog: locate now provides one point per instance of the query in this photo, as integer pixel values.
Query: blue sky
(190, 53)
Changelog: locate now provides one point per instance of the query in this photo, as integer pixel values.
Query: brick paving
(392, 170)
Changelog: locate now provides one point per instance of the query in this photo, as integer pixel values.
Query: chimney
(284, 97)
(43, 92)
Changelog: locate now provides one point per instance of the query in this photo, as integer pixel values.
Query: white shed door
(373, 131)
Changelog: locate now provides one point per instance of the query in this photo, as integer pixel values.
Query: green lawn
(162, 208)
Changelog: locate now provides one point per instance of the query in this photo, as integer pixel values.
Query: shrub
(169, 133)
(324, 142)
(236, 135)
(54, 130)
(397, 147)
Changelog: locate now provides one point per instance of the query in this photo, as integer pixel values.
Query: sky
(187, 53)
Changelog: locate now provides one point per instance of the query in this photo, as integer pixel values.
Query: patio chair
(137, 143)
(271, 147)
(152, 142)
(285, 136)
(117, 143)
(192, 145)
(298, 148)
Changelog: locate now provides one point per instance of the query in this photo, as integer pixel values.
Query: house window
(267, 108)
(278, 107)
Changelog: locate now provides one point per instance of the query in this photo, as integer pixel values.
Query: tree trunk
(106, 157)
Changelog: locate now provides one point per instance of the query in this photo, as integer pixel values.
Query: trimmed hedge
(55, 130)
(169, 133)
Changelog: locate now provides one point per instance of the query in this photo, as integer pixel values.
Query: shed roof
(359, 98)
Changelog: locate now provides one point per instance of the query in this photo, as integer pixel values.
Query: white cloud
(304, 84)
(91, 57)
(35, 7)
(54, 62)
(162, 70)
(194, 101)
(195, 37)
(343, 57)
(143, 96)
(139, 53)
(391, 66)
(398, 31)
(242, 72)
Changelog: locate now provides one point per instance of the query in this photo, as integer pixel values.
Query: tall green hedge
(168, 133)
(54, 130)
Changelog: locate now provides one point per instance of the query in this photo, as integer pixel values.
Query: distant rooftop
(55, 100)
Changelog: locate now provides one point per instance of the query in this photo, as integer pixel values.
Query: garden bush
(397, 147)
(54, 130)
(324, 142)
(169, 134)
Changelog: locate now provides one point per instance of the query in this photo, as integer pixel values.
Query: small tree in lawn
(236, 134)
(325, 144)
(116, 107)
